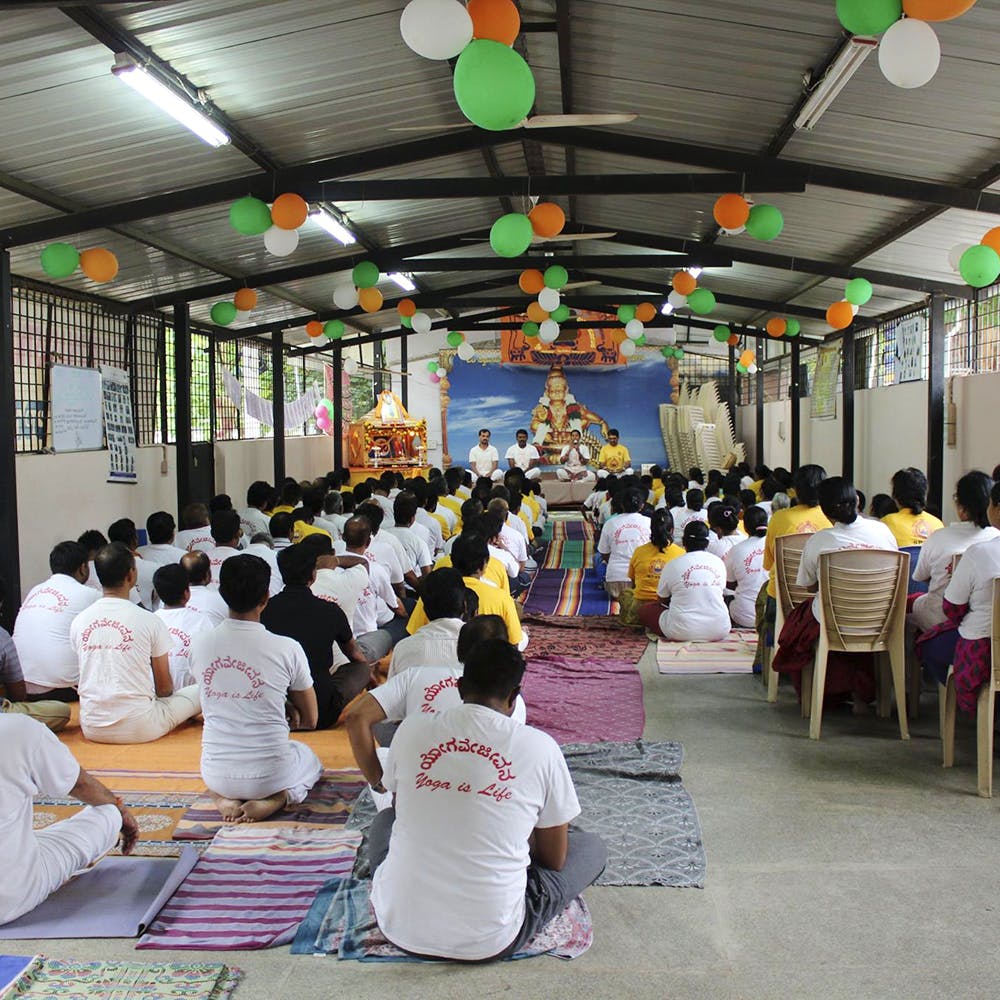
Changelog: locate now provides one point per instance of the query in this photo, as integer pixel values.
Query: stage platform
(560, 494)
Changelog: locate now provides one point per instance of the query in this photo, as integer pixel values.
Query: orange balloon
(245, 299)
(776, 327)
(937, 10)
(98, 264)
(684, 283)
(536, 313)
(840, 315)
(289, 211)
(497, 20)
(733, 340)
(370, 299)
(314, 328)
(645, 312)
(406, 307)
(747, 358)
(992, 239)
(531, 281)
(731, 211)
(547, 219)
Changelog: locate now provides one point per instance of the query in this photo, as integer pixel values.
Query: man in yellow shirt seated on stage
(911, 524)
(613, 458)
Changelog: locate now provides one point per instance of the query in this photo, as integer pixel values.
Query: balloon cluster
(512, 234)
(548, 310)
(635, 319)
(332, 329)
(463, 348)
(324, 415)
(782, 326)
(224, 313)
(60, 260)
(736, 214)
(857, 292)
(359, 289)
(435, 371)
(418, 322)
(723, 335)
(279, 224)
(687, 294)
(909, 53)
(747, 363)
(978, 263)
(672, 352)
(493, 85)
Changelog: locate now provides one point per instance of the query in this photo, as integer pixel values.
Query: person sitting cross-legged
(476, 856)
(183, 622)
(203, 595)
(245, 674)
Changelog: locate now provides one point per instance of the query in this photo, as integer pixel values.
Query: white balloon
(548, 331)
(634, 329)
(752, 369)
(909, 54)
(677, 300)
(548, 299)
(421, 323)
(350, 366)
(281, 242)
(955, 254)
(466, 351)
(345, 296)
(436, 29)
(734, 232)
(855, 309)
(627, 348)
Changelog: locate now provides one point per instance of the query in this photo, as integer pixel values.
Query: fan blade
(424, 128)
(568, 121)
(573, 236)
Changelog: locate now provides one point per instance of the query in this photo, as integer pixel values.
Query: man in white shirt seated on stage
(203, 595)
(126, 694)
(253, 520)
(183, 623)
(41, 631)
(575, 458)
(445, 599)
(245, 674)
(160, 532)
(36, 763)
(476, 856)
(484, 459)
(524, 456)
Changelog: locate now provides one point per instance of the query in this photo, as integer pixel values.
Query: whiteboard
(77, 414)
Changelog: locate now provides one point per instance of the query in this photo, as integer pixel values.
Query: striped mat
(733, 655)
(565, 592)
(251, 888)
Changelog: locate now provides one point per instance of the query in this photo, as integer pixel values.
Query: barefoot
(258, 809)
(231, 810)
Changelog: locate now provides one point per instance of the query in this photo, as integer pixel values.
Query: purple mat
(584, 700)
(567, 593)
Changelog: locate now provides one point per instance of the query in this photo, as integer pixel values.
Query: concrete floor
(855, 867)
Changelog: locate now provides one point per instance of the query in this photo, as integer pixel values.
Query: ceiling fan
(565, 237)
(537, 121)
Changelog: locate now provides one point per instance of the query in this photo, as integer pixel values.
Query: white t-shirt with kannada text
(620, 537)
(195, 539)
(41, 632)
(514, 542)
(471, 785)
(682, 515)
(720, 546)
(377, 592)
(217, 555)
(745, 565)
(509, 563)
(161, 555)
(114, 642)
(416, 550)
(34, 763)
(972, 584)
(934, 565)
(183, 624)
(265, 552)
(483, 460)
(695, 583)
(244, 674)
(864, 533)
(433, 645)
(208, 601)
(344, 588)
(254, 522)
(427, 690)
(523, 457)
(377, 554)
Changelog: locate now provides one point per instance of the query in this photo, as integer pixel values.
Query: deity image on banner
(558, 414)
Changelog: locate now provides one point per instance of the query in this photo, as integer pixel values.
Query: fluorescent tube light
(168, 100)
(404, 282)
(695, 272)
(666, 309)
(326, 221)
(851, 57)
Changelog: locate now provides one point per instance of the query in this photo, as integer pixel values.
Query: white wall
(424, 395)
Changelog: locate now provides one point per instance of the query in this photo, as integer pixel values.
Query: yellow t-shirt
(282, 508)
(525, 520)
(645, 568)
(790, 521)
(443, 521)
(492, 601)
(495, 571)
(911, 529)
(756, 487)
(614, 458)
(658, 492)
(455, 506)
(529, 501)
(302, 530)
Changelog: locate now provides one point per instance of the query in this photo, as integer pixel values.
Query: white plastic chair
(787, 556)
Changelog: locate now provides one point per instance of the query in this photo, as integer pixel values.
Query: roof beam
(418, 265)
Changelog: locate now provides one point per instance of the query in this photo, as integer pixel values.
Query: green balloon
(793, 328)
(626, 313)
(223, 313)
(59, 260)
(334, 329)
(555, 276)
(530, 329)
(667, 352)
(701, 301)
(455, 338)
(432, 366)
(722, 333)
(561, 313)
(765, 223)
(365, 274)
(640, 340)
(493, 85)
(858, 291)
(742, 369)
(511, 234)
(406, 321)
(679, 353)
(250, 216)
(869, 17)
(980, 266)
